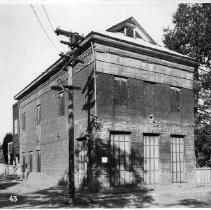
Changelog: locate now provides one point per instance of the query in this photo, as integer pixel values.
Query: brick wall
(50, 136)
(84, 103)
(135, 119)
(145, 98)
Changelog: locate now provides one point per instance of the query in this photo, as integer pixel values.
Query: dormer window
(131, 28)
(128, 31)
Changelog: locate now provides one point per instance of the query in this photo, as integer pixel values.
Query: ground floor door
(151, 159)
(82, 162)
(24, 162)
(177, 158)
(120, 156)
(38, 161)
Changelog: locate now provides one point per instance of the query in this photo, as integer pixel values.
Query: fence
(10, 170)
(203, 175)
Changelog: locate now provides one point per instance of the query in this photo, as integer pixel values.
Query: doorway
(177, 158)
(120, 155)
(151, 159)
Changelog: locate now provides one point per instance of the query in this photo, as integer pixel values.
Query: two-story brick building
(138, 96)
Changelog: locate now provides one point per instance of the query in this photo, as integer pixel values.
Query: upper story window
(38, 114)
(131, 32)
(120, 91)
(175, 98)
(61, 104)
(16, 126)
(23, 121)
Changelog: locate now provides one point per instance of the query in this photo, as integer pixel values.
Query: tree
(8, 138)
(191, 35)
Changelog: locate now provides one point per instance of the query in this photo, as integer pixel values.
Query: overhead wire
(36, 15)
(47, 17)
(46, 13)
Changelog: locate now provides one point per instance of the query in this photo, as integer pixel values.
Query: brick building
(136, 101)
(1, 155)
(15, 139)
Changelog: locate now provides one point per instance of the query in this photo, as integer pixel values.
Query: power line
(50, 23)
(43, 28)
(48, 17)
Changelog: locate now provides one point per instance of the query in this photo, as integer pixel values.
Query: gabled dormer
(131, 28)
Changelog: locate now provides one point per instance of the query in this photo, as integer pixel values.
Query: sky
(25, 50)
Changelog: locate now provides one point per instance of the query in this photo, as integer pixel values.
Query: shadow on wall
(63, 181)
(120, 194)
(88, 91)
(117, 172)
(119, 161)
(120, 165)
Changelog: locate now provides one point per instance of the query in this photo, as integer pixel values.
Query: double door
(151, 159)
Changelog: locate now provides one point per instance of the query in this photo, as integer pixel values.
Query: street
(24, 195)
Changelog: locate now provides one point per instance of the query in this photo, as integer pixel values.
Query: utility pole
(72, 60)
(71, 140)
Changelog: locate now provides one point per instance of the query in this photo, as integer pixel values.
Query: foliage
(8, 138)
(203, 145)
(191, 35)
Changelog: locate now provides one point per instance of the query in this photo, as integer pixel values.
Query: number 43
(13, 198)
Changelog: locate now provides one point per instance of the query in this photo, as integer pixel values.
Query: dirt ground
(30, 195)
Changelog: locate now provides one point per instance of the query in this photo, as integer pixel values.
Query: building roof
(131, 22)
(112, 35)
(141, 42)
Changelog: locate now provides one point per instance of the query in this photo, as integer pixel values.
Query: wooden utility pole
(72, 60)
(71, 139)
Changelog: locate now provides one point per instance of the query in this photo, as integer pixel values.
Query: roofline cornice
(138, 48)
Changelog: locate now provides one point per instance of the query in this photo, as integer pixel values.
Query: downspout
(95, 89)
